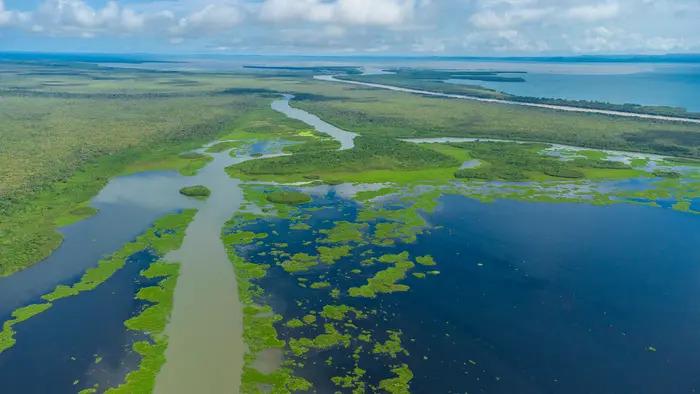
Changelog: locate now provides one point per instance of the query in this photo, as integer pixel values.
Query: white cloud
(594, 12)
(399, 26)
(489, 19)
(76, 17)
(5, 16)
(349, 12)
(213, 18)
(8, 18)
(429, 45)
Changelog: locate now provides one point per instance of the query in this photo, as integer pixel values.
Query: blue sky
(421, 27)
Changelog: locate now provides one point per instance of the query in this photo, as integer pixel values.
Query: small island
(197, 191)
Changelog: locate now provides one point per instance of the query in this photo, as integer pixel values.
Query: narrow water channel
(205, 350)
(346, 138)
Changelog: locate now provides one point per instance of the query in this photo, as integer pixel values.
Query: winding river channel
(83, 340)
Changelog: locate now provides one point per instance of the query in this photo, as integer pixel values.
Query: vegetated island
(197, 191)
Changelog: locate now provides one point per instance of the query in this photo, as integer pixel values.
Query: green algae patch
(294, 323)
(329, 255)
(400, 384)
(288, 197)
(384, 281)
(242, 237)
(331, 337)
(320, 285)
(426, 260)
(151, 321)
(300, 226)
(299, 262)
(341, 312)
(197, 191)
(165, 235)
(309, 319)
(344, 232)
(392, 346)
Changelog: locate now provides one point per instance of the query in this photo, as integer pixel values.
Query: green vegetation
(344, 232)
(517, 162)
(165, 235)
(400, 383)
(373, 112)
(330, 338)
(259, 332)
(7, 334)
(384, 281)
(288, 197)
(224, 146)
(426, 260)
(331, 255)
(391, 346)
(151, 321)
(90, 124)
(370, 153)
(197, 191)
(236, 108)
(299, 262)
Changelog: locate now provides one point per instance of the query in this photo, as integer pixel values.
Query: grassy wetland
(390, 266)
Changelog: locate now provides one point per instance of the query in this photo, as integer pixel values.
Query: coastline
(565, 108)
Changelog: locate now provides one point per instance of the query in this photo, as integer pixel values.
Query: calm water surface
(674, 87)
(532, 298)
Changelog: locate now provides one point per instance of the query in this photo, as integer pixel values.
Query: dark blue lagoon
(529, 298)
(81, 340)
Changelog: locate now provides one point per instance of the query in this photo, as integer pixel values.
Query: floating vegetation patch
(152, 321)
(331, 275)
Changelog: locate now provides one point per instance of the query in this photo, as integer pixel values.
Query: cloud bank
(451, 27)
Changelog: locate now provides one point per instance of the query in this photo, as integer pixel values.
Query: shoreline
(565, 108)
